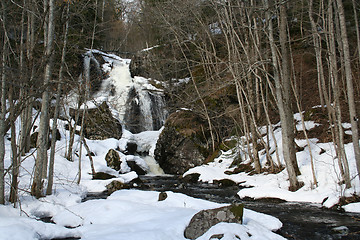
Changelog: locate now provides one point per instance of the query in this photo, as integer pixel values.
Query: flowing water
(300, 220)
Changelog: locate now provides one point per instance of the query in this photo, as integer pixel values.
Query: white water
(115, 90)
(154, 167)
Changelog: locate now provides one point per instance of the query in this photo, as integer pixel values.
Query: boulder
(116, 185)
(135, 167)
(205, 219)
(183, 143)
(162, 196)
(102, 176)
(100, 123)
(191, 178)
(131, 148)
(223, 183)
(113, 160)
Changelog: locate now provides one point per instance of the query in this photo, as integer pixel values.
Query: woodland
(250, 63)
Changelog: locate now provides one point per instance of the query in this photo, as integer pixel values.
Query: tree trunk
(349, 84)
(283, 97)
(337, 130)
(15, 156)
(57, 106)
(42, 140)
(3, 108)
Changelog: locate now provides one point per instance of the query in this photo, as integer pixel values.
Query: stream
(300, 220)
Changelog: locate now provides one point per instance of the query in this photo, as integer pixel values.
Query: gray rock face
(205, 219)
(100, 123)
(113, 159)
(183, 143)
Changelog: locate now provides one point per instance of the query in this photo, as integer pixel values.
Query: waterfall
(140, 105)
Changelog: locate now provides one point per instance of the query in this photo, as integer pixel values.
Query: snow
(327, 192)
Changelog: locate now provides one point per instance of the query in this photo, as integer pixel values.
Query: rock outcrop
(113, 160)
(100, 123)
(205, 219)
(183, 143)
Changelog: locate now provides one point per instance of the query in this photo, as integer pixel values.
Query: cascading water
(138, 104)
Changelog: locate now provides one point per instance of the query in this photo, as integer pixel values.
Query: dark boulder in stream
(183, 144)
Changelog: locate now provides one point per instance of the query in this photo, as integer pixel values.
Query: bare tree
(42, 141)
(349, 84)
(3, 103)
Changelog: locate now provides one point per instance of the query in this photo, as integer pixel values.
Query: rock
(205, 219)
(225, 183)
(34, 136)
(183, 144)
(33, 139)
(116, 185)
(113, 160)
(162, 196)
(102, 176)
(191, 178)
(140, 65)
(341, 230)
(100, 123)
(217, 236)
(131, 148)
(136, 183)
(135, 167)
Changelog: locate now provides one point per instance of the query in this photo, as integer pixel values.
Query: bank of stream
(301, 221)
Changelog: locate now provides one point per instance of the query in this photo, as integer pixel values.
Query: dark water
(300, 220)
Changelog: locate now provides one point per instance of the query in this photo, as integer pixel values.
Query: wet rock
(162, 196)
(205, 219)
(342, 230)
(102, 176)
(100, 123)
(116, 185)
(135, 167)
(191, 178)
(225, 183)
(131, 148)
(113, 160)
(136, 183)
(183, 144)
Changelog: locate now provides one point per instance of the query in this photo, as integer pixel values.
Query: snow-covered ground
(327, 192)
(126, 214)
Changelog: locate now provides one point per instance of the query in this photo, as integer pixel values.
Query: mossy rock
(238, 211)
